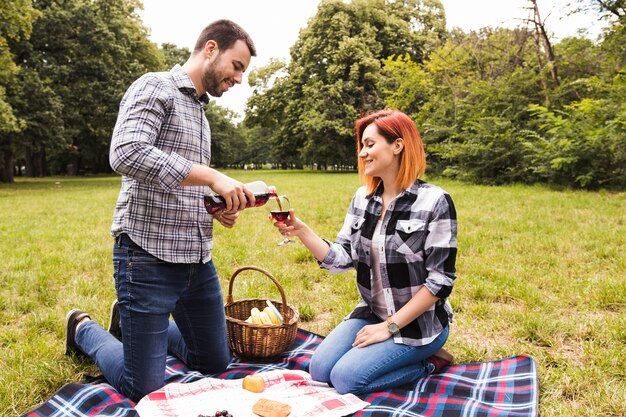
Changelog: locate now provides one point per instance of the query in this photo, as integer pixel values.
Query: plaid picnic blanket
(503, 388)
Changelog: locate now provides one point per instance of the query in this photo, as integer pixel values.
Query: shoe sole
(68, 337)
(114, 315)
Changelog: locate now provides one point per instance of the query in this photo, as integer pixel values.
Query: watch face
(392, 327)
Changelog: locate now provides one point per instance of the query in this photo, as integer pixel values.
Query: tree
(269, 117)
(469, 99)
(334, 72)
(40, 110)
(615, 9)
(583, 144)
(613, 45)
(227, 141)
(580, 140)
(15, 24)
(544, 48)
(87, 52)
(492, 107)
(173, 55)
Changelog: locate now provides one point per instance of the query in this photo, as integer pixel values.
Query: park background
(527, 133)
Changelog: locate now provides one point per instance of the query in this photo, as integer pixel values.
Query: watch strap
(392, 327)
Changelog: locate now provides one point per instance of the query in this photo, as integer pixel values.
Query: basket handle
(229, 298)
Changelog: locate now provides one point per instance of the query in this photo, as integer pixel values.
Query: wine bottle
(262, 193)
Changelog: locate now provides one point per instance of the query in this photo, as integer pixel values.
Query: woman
(400, 236)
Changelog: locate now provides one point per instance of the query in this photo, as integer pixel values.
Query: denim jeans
(148, 291)
(377, 367)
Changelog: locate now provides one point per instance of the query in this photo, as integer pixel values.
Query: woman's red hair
(393, 124)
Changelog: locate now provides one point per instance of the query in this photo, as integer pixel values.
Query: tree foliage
(16, 19)
(491, 110)
(584, 143)
(68, 64)
(173, 55)
(76, 65)
(97, 50)
(335, 65)
(228, 143)
(493, 106)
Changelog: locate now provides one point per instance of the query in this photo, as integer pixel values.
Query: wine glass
(279, 210)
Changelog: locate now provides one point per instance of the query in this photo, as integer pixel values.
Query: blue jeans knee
(376, 367)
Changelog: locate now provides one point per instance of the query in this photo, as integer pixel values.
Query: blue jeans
(148, 291)
(378, 367)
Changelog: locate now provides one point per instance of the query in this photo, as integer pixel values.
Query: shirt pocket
(410, 236)
(356, 224)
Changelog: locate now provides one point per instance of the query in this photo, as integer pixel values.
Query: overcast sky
(274, 24)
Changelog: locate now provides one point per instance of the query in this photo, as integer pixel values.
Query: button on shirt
(160, 132)
(419, 249)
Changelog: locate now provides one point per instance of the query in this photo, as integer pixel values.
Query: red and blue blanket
(503, 388)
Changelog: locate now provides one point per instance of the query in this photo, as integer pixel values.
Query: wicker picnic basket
(250, 340)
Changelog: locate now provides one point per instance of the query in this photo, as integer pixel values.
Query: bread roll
(253, 383)
(270, 408)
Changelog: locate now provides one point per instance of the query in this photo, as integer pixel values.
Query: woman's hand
(370, 334)
(293, 226)
(226, 218)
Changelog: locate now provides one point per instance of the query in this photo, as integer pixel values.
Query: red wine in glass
(280, 216)
(279, 210)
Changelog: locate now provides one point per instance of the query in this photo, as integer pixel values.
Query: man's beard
(211, 81)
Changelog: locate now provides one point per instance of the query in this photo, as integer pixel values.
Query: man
(163, 235)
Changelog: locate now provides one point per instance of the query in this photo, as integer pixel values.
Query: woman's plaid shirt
(420, 250)
(161, 131)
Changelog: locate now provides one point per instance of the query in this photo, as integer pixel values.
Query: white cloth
(306, 397)
(379, 306)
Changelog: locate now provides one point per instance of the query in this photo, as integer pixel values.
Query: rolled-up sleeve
(339, 257)
(441, 247)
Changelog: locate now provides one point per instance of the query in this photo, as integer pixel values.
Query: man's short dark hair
(225, 33)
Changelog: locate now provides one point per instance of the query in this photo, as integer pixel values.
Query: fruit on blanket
(253, 383)
(270, 408)
(223, 413)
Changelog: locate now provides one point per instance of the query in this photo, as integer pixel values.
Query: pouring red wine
(279, 210)
(262, 193)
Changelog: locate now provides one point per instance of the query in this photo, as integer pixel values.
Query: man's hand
(236, 195)
(226, 218)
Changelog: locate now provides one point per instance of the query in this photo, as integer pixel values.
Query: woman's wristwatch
(392, 326)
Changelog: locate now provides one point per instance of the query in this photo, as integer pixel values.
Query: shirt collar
(184, 84)
(411, 189)
(375, 200)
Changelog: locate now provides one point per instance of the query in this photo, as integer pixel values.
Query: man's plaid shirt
(160, 132)
(420, 232)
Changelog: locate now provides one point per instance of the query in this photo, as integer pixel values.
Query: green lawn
(540, 272)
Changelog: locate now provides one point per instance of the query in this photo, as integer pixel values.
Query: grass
(540, 272)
